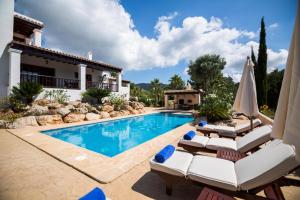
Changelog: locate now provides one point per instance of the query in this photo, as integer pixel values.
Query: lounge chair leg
(169, 189)
(207, 134)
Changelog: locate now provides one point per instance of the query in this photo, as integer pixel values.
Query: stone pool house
(22, 58)
(185, 99)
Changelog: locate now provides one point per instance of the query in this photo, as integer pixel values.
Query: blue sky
(158, 38)
(242, 14)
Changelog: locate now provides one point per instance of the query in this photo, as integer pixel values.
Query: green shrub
(9, 102)
(217, 104)
(116, 101)
(16, 105)
(10, 116)
(25, 92)
(267, 111)
(146, 100)
(215, 108)
(95, 95)
(5, 103)
(57, 95)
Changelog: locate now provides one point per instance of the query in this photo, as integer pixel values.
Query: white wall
(64, 70)
(96, 74)
(6, 36)
(73, 94)
(125, 91)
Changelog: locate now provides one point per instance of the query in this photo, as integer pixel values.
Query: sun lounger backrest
(265, 166)
(254, 138)
(246, 126)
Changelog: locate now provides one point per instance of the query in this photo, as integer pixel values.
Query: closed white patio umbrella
(287, 117)
(245, 100)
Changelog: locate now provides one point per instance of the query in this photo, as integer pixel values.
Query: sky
(159, 38)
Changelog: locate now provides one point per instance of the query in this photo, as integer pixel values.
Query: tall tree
(176, 83)
(156, 91)
(261, 72)
(204, 70)
(135, 91)
(274, 85)
(256, 73)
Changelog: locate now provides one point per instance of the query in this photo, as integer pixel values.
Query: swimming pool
(114, 137)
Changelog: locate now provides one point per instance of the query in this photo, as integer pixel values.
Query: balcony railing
(108, 86)
(50, 81)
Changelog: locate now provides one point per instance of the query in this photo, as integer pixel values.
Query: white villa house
(22, 58)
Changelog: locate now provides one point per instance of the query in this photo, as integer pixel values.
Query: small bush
(95, 95)
(26, 92)
(57, 95)
(5, 103)
(267, 111)
(215, 108)
(17, 105)
(9, 102)
(10, 116)
(216, 105)
(116, 101)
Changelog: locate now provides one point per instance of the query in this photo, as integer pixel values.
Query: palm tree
(135, 90)
(156, 90)
(176, 83)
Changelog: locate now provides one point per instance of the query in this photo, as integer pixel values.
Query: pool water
(114, 137)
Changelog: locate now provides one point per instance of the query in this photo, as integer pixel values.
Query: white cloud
(105, 27)
(273, 26)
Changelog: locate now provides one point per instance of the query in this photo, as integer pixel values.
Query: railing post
(119, 81)
(82, 76)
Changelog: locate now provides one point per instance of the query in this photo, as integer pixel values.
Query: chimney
(90, 55)
(37, 37)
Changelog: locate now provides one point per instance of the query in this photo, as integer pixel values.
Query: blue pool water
(114, 137)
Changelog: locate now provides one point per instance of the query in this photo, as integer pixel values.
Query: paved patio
(28, 173)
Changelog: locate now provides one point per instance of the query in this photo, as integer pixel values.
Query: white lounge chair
(243, 178)
(228, 131)
(248, 142)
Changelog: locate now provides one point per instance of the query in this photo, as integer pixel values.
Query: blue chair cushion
(202, 123)
(189, 135)
(95, 194)
(164, 154)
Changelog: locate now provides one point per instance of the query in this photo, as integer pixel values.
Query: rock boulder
(37, 110)
(54, 105)
(104, 115)
(74, 117)
(91, 116)
(135, 112)
(49, 119)
(81, 110)
(24, 122)
(128, 107)
(63, 111)
(42, 102)
(114, 114)
(107, 108)
(74, 103)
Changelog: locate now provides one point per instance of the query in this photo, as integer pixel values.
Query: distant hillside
(147, 86)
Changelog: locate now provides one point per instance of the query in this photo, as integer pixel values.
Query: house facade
(24, 59)
(182, 99)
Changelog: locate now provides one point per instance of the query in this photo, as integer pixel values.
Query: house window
(171, 97)
(181, 101)
(36, 70)
(88, 77)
